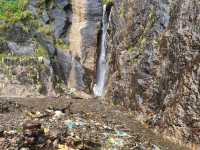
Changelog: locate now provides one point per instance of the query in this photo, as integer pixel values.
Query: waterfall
(102, 65)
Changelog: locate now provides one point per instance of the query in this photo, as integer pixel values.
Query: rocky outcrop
(83, 35)
(84, 31)
(76, 24)
(25, 77)
(63, 32)
(154, 62)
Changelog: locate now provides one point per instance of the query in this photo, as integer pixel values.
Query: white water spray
(102, 64)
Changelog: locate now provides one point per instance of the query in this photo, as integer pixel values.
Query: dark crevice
(68, 7)
(108, 8)
(68, 10)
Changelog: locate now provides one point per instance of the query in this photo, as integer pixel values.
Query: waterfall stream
(102, 65)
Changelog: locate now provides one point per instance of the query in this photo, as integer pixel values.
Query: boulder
(20, 50)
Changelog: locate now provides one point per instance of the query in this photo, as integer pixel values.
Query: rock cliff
(62, 34)
(154, 51)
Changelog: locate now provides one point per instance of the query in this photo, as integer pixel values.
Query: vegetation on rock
(13, 10)
(105, 2)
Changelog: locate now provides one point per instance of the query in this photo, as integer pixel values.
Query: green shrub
(122, 10)
(41, 52)
(105, 2)
(13, 10)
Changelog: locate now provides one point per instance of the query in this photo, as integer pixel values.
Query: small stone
(48, 142)
(196, 125)
(1, 131)
(2, 140)
(58, 115)
(154, 147)
(30, 140)
(40, 140)
(31, 125)
(27, 133)
(13, 141)
(24, 148)
(45, 16)
(55, 143)
(54, 133)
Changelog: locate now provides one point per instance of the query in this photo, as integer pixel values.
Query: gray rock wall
(154, 63)
(66, 32)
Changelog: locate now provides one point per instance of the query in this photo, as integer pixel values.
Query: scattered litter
(115, 142)
(121, 133)
(57, 130)
(46, 131)
(11, 132)
(71, 91)
(62, 147)
(154, 147)
(74, 124)
(58, 115)
(70, 124)
(107, 127)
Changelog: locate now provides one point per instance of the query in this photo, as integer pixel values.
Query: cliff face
(63, 34)
(153, 52)
(154, 49)
(85, 26)
(83, 35)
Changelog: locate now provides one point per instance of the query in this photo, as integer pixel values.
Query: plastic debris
(155, 147)
(71, 91)
(36, 114)
(121, 133)
(58, 115)
(70, 124)
(62, 147)
(46, 131)
(74, 124)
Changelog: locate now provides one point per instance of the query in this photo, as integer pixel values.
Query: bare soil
(13, 113)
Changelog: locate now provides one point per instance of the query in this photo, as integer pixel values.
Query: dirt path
(95, 109)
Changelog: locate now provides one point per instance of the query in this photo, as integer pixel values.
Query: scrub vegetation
(13, 10)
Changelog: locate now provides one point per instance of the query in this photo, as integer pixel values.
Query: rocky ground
(63, 124)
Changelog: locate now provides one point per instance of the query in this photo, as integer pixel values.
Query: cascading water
(102, 65)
